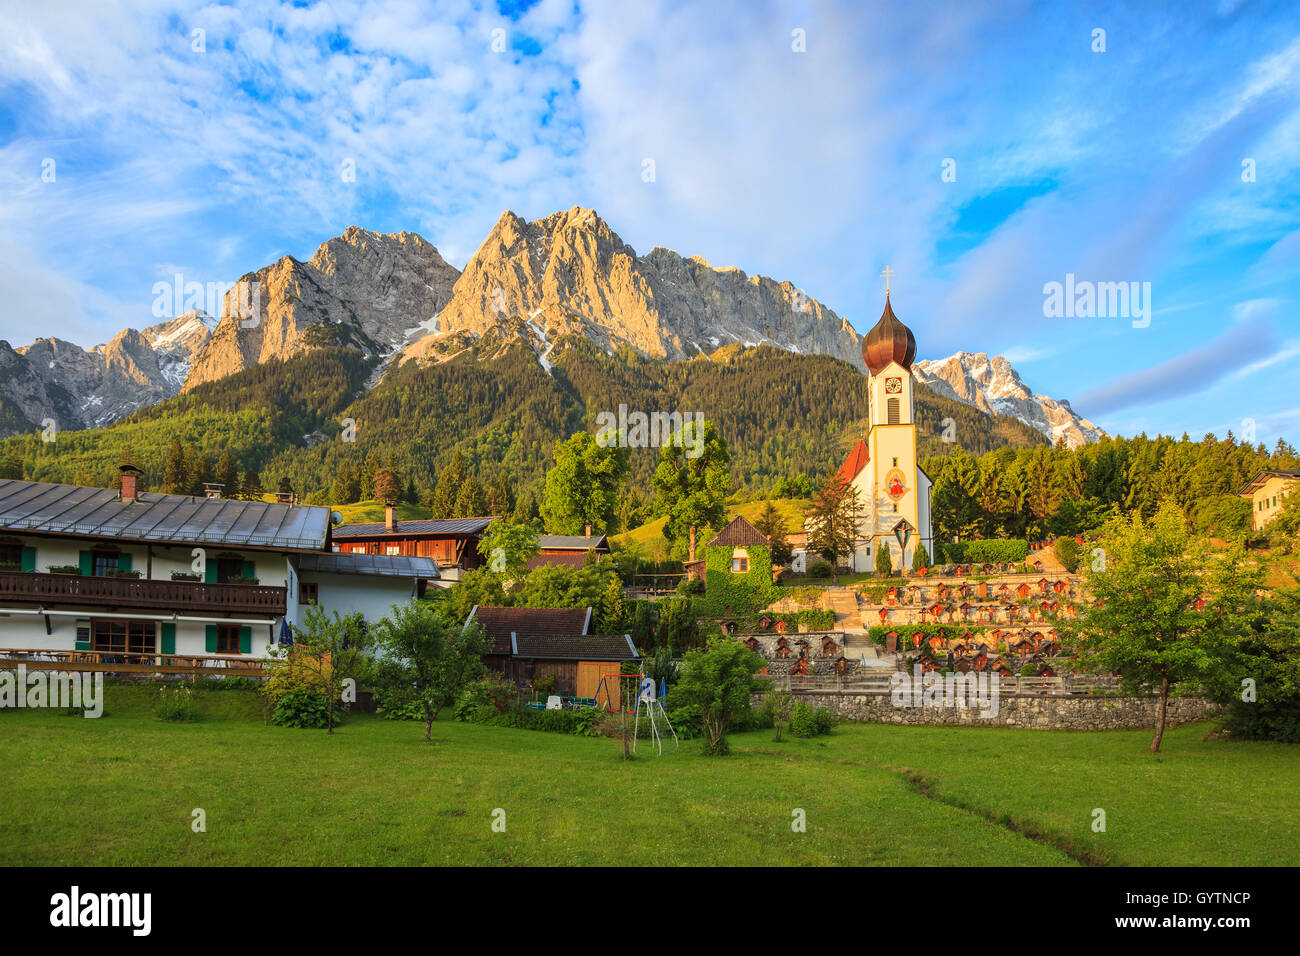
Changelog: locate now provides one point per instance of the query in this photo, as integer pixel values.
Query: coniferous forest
(488, 426)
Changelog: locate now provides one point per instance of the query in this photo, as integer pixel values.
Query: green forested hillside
(783, 415)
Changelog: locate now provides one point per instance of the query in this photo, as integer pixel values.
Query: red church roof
(856, 461)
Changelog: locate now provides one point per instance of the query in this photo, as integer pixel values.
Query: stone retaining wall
(1043, 713)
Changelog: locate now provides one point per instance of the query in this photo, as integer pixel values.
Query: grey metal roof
(370, 529)
(385, 565)
(574, 542)
(44, 508)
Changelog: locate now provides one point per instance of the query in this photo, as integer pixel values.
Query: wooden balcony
(110, 593)
(119, 662)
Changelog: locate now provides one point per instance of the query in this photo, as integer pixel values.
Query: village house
(137, 573)
(568, 550)
(1267, 491)
(452, 543)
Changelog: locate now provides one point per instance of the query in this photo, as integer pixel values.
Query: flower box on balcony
(64, 569)
(185, 576)
(119, 573)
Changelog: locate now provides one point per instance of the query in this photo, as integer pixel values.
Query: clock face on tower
(893, 386)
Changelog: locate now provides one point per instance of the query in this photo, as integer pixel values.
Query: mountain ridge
(393, 298)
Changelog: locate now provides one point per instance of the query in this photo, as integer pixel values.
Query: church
(893, 491)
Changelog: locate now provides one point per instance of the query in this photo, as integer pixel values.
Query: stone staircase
(848, 615)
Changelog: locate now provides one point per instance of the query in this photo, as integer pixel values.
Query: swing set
(615, 693)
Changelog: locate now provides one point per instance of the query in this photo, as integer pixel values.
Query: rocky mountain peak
(570, 272)
(993, 386)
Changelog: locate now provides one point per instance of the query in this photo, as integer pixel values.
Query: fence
(136, 663)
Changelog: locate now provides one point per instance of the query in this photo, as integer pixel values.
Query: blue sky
(820, 166)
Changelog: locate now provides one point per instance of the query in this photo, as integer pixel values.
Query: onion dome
(889, 341)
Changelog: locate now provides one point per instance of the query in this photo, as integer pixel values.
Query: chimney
(390, 522)
(130, 482)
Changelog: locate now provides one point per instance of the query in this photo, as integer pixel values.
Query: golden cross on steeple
(888, 274)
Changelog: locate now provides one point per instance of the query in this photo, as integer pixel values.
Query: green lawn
(120, 790)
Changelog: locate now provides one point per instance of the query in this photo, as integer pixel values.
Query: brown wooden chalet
(452, 543)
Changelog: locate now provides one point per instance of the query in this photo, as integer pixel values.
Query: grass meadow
(121, 790)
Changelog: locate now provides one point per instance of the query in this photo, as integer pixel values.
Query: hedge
(985, 551)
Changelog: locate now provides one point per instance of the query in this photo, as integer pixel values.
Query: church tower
(893, 491)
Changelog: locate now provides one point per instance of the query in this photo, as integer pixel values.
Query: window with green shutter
(124, 561)
(245, 640)
(168, 638)
(250, 570)
(29, 559)
(210, 639)
(86, 561)
(83, 634)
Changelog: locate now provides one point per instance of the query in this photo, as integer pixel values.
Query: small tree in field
(719, 680)
(778, 704)
(329, 652)
(427, 660)
(388, 488)
(1149, 578)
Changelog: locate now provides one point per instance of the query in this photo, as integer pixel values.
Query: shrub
(822, 720)
(409, 710)
(176, 704)
(817, 619)
(304, 708)
(690, 586)
(493, 691)
(819, 569)
(544, 686)
(229, 683)
(809, 721)
(686, 720)
(1067, 552)
(289, 675)
(801, 720)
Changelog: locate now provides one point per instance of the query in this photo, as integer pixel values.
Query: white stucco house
(130, 572)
